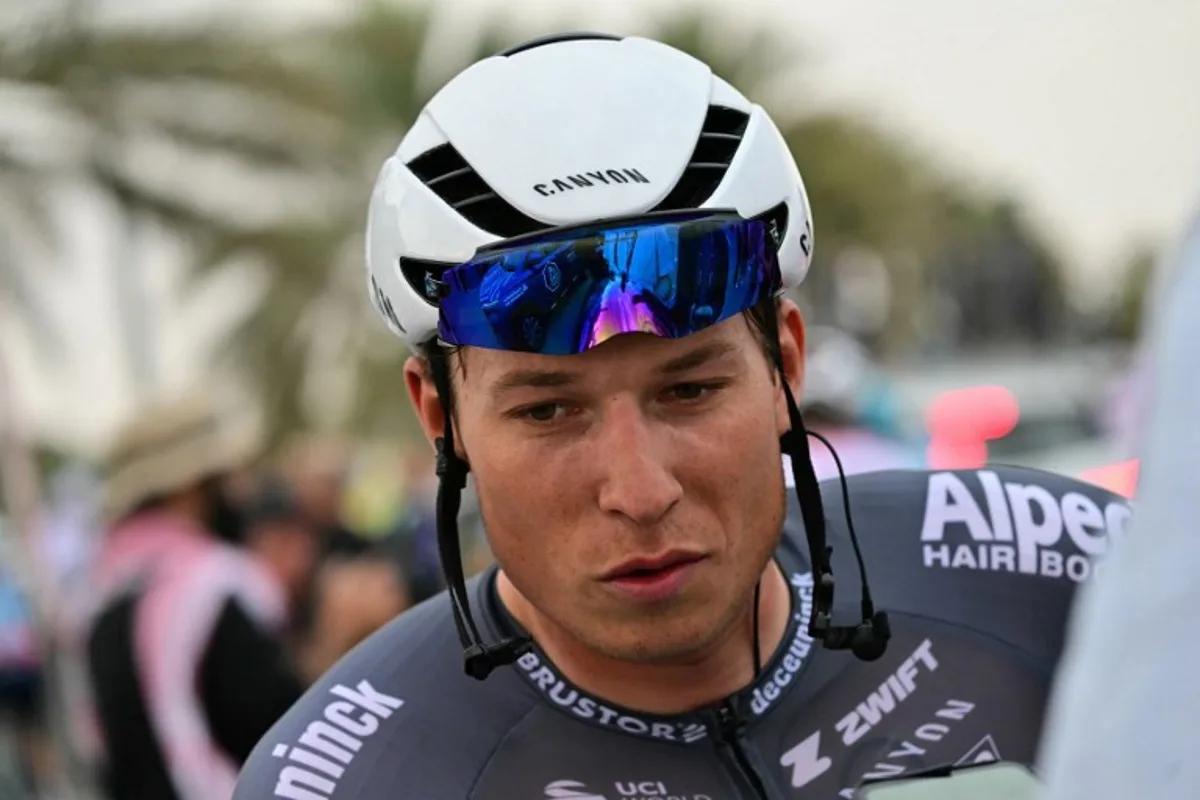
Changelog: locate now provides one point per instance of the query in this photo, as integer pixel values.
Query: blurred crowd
(192, 536)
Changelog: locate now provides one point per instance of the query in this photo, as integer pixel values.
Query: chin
(659, 641)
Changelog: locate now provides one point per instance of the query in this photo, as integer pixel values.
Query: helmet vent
(720, 136)
(450, 177)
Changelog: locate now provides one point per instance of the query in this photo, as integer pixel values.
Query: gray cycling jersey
(976, 569)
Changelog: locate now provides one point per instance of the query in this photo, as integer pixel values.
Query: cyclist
(586, 241)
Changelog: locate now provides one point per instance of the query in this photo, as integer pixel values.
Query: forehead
(629, 355)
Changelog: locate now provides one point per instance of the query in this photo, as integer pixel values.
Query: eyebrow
(698, 357)
(533, 379)
(548, 379)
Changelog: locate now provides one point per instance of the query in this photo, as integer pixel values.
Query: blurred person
(374, 495)
(412, 542)
(586, 242)
(183, 651)
(23, 680)
(1122, 417)
(838, 383)
(352, 599)
(281, 535)
(335, 604)
(69, 534)
(317, 468)
(1125, 717)
(70, 530)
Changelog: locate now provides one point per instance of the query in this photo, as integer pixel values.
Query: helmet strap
(868, 639)
(479, 659)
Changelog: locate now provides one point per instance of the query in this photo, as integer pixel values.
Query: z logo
(806, 761)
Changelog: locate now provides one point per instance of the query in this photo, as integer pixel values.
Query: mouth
(655, 578)
(647, 567)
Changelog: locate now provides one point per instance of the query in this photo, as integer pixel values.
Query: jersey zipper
(744, 773)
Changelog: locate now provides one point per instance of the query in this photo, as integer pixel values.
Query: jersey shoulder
(396, 711)
(999, 550)
(1029, 510)
(1024, 508)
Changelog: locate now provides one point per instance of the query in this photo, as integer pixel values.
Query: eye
(692, 392)
(541, 413)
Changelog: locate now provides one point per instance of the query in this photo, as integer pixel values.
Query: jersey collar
(779, 675)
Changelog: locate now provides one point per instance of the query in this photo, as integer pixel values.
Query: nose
(638, 483)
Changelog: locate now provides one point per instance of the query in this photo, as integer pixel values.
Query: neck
(664, 688)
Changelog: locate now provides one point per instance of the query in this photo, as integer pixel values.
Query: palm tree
(313, 340)
(197, 131)
(25, 223)
(157, 119)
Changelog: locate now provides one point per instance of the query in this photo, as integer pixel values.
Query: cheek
(735, 449)
(531, 501)
(735, 469)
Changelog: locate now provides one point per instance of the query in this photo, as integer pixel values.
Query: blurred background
(183, 185)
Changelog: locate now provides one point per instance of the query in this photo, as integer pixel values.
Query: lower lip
(653, 586)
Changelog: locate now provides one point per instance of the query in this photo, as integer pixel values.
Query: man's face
(632, 494)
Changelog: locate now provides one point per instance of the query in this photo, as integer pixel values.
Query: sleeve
(246, 681)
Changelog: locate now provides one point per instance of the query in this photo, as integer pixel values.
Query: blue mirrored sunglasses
(567, 290)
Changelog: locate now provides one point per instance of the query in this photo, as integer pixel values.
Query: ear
(425, 401)
(422, 391)
(791, 346)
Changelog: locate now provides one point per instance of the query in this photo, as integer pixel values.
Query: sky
(1087, 111)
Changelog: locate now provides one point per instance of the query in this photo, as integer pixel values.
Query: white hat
(171, 444)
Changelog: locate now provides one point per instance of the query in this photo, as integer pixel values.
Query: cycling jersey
(976, 569)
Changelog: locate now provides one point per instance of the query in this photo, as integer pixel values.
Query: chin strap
(479, 659)
(868, 639)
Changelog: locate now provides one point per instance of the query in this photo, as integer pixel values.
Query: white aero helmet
(568, 130)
